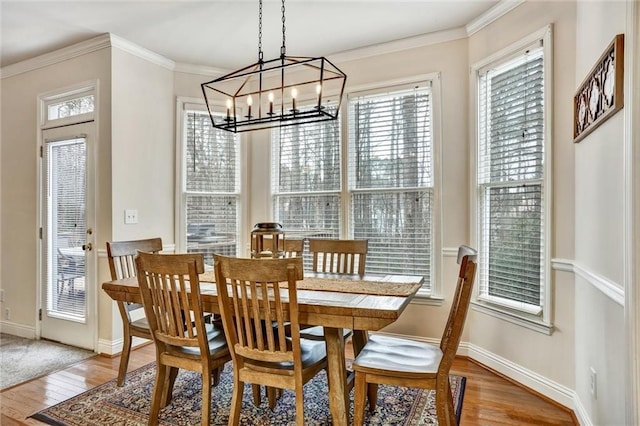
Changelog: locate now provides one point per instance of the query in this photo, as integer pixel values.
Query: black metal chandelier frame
(320, 82)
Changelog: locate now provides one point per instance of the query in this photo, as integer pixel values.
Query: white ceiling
(224, 34)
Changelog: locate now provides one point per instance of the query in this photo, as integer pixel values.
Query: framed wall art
(601, 93)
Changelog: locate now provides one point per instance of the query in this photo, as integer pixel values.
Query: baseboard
(531, 380)
(18, 329)
(114, 347)
(581, 413)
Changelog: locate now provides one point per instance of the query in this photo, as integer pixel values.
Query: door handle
(87, 247)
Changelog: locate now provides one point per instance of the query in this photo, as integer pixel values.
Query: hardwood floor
(489, 399)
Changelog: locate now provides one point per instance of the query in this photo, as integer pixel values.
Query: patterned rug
(129, 405)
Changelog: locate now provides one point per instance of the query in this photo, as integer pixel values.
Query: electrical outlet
(130, 216)
(7, 314)
(594, 383)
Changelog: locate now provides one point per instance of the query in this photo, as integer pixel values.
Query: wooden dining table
(358, 302)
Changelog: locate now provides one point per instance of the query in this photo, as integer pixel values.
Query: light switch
(130, 216)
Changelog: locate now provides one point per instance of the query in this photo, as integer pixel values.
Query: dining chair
(251, 293)
(293, 248)
(289, 248)
(170, 290)
(121, 255)
(405, 362)
(338, 256)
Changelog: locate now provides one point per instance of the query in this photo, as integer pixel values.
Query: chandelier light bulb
(270, 103)
(294, 93)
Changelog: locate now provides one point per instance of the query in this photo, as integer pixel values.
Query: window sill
(425, 298)
(515, 318)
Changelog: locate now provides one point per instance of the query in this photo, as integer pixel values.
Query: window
(210, 200)
(306, 179)
(388, 194)
(512, 202)
(391, 179)
(74, 105)
(70, 107)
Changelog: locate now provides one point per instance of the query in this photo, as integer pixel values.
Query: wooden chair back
(122, 255)
(339, 256)
(293, 248)
(290, 248)
(467, 259)
(254, 297)
(170, 289)
(259, 306)
(378, 361)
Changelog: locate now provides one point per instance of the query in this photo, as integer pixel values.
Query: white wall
(142, 167)
(537, 354)
(600, 233)
(19, 169)
(143, 147)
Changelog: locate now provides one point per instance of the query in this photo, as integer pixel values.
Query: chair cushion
(141, 323)
(216, 339)
(317, 333)
(312, 352)
(396, 354)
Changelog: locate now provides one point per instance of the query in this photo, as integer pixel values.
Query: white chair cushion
(396, 354)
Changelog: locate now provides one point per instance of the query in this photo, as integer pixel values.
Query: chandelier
(285, 91)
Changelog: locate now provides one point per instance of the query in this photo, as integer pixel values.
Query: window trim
(538, 321)
(436, 292)
(79, 90)
(184, 104)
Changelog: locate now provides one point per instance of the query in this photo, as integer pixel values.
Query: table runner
(377, 288)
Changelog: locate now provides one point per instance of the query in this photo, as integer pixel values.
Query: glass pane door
(68, 291)
(66, 205)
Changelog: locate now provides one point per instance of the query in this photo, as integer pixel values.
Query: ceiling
(224, 34)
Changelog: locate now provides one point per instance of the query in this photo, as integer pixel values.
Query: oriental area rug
(129, 405)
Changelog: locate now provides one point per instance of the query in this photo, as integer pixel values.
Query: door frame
(632, 214)
(43, 124)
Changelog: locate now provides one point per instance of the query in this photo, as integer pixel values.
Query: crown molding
(212, 72)
(399, 45)
(492, 15)
(102, 41)
(111, 40)
(141, 52)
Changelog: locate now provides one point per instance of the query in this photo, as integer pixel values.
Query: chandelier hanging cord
(260, 56)
(283, 49)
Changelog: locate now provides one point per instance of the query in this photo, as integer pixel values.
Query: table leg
(337, 372)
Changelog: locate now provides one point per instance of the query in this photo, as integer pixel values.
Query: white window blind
(306, 179)
(66, 180)
(510, 174)
(391, 179)
(211, 183)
